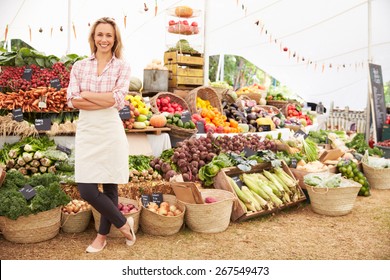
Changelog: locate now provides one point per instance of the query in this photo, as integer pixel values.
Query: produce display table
(139, 143)
(284, 131)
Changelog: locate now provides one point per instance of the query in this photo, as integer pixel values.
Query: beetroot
(210, 199)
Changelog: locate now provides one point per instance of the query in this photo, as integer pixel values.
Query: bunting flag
(74, 30)
(124, 20)
(51, 32)
(29, 31)
(6, 33)
(155, 8)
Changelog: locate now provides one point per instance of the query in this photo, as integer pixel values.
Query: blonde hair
(118, 46)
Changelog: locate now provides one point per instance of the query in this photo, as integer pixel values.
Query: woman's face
(104, 37)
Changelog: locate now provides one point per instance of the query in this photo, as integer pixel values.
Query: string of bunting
(295, 54)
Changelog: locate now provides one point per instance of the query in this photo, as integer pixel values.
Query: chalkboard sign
(293, 163)
(55, 83)
(300, 132)
(378, 107)
(17, 114)
(265, 127)
(200, 127)
(157, 198)
(27, 191)
(249, 152)
(125, 113)
(27, 74)
(64, 149)
(42, 124)
(185, 116)
(238, 181)
(145, 199)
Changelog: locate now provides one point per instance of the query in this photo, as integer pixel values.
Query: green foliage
(44, 179)
(14, 180)
(48, 197)
(13, 204)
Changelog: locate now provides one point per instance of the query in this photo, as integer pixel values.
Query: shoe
(131, 242)
(91, 249)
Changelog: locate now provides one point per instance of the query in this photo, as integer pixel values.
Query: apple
(185, 22)
(194, 23)
(172, 22)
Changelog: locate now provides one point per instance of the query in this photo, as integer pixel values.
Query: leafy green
(48, 197)
(44, 179)
(14, 180)
(13, 204)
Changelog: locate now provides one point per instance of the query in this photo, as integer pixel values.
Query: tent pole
(369, 103)
(205, 51)
(69, 27)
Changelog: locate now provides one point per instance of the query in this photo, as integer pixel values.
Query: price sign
(238, 181)
(157, 198)
(125, 113)
(27, 74)
(249, 152)
(185, 116)
(145, 199)
(200, 127)
(42, 124)
(293, 163)
(55, 83)
(265, 127)
(300, 132)
(17, 114)
(64, 149)
(27, 191)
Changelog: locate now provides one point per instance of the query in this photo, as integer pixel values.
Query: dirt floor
(293, 234)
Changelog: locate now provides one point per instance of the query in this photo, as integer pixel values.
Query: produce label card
(28, 192)
(238, 181)
(42, 124)
(64, 149)
(17, 114)
(55, 83)
(27, 74)
(293, 163)
(125, 113)
(145, 199)
(200, 127)
(186, 116)
(265, 127)
(157, 198)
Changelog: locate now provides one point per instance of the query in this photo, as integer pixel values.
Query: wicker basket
(277, 103)
(300, 174)
(333, 201)
(114, 232)
(205, 93)
(179, 132)
(75, 223)
(224, 94)
(155, 224)
(377, 178)
(33, 228)
(2, 176)
(210, 217)
(253, 96)
(173, 97)
(2, 222)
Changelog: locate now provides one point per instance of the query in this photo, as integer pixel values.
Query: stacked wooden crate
(185, 70)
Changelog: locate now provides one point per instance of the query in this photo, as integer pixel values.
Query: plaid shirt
(115, 78)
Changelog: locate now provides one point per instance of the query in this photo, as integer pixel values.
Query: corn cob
(252, 182)
(238, 192)
(247, 191)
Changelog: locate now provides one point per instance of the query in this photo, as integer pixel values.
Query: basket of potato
(75, 216)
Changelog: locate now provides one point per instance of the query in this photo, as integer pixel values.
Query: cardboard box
(239, 214)
(155, 80)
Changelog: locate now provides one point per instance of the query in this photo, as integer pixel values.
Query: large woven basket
(210, 217)
(2, 222)
(378, 178)
(224, 94)
(179, 132)
(277, 103)
(33, 228)
(114, 232)
(75, 223)
(333, 201)
(205, 93)
(299, 174)
(155, 224)
(173, 97)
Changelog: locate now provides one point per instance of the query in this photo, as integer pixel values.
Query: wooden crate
(182, 70)
(183, 82)
(239, 214)
(183, 58)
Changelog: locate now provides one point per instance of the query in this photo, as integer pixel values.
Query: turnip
(210, 199)
(120, 206)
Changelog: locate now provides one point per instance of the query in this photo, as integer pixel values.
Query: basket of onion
(164, 219)
(129, 208)
(75, 216)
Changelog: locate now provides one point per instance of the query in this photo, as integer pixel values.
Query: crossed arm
(94, 100)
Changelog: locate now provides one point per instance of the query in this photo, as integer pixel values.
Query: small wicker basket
(277, 103)
(205, 93)
(75, 223)
(179, 132)
(173, 97)
(34, 227)
(155, 224)
(377, 178)
(114, 232)
(333, 201)
(210, 217)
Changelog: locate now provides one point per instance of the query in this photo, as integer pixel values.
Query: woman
(97, 88)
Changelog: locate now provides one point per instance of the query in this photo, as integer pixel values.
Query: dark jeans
(106, 203)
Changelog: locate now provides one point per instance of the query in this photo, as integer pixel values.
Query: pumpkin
(135, 84)
(184, 11)
(158, 120)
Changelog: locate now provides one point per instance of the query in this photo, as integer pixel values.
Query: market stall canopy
(319, 49)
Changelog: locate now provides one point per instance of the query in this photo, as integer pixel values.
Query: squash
(135, 84)
(158, 120)
(139, 125)
(184, 11)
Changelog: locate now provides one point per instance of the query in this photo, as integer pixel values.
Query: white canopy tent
(327, 41)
